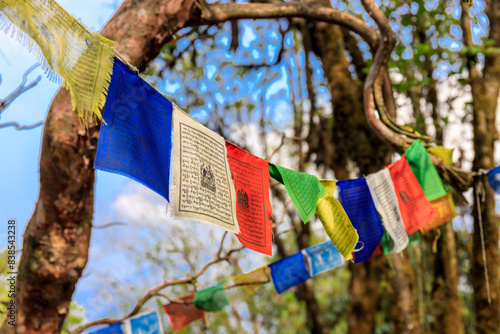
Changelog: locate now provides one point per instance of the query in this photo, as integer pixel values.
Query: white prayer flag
(386, 202)
(202, 186)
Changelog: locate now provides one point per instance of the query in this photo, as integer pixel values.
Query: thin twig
(21, 127)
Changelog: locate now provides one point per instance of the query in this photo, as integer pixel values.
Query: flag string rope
(480, 190)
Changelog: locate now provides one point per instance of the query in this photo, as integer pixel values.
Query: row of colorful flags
(208, 179)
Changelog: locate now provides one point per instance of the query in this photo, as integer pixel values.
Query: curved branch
(155, 291)
(217, 13)
(21, 127)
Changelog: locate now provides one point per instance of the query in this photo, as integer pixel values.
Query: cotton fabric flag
(83, 58)
(144, 323)
(212, 299)
(111, 329)
(303, 189)
(386, 202)
(184, 313)
(445, 212)
(494, 179)
(202, 187)
(388, 244)
(135, 141)
(361, 211)
(424, 171)
(337, 225)
(322, 257)
(445, 154)
(252, 281)
(288, 272)
(253, 207)
(415, 208)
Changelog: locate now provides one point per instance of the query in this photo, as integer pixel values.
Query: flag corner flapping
(65, 48)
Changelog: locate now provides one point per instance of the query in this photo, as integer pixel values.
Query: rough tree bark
(446, 303)
(485, 88)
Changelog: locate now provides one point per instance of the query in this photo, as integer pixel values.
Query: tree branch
(20, 89)
(21, 127)
(216, 13)
(155, 291)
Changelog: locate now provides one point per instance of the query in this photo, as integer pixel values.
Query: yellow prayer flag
(445, 212)
(335, 221)
(251, 281)
(445, 154)
(83, 58)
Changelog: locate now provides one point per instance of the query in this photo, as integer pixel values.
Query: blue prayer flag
(494, 179)
(111, 329)
(146, 323)
(136, 139)
(289, 271)
(323, 257)
(360, 209)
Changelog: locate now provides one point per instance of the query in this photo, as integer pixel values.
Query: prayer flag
(494, 179)
(445, 154)
(445, 212)
(135, 141)
(251, 281)
(83, 58)
(289, 271)
(111, 329)
(390, 247)
(184, 313)
(424, 171)
(212, 299)
(335, 221)
(144, 323)
(303, 189)
(386, 202)
(202, 186)
(415, 208)
(322, 257)
(253, 207)
(361, 211)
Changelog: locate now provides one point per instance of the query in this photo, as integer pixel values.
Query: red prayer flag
(253, 207)
(181, 314)
(415, 208)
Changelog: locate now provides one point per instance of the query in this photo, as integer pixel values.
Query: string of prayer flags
(385, 200)
(445, 212)
(144, 323)
(111, 329)
(445, 154)
(202, 186)
(424, 171)
(183, 313)
(303, 189)
(361, 211)
(494, 179)
(212, 299)
(251, 281)
(135, 141)
(415, 208)
(83, 58)
(253, 207)
(322, 257)
(337, 225)
(288, 272)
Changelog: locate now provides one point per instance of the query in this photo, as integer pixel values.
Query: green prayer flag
(303, 189)
(388, 242)
(212, 299)
(424, 170)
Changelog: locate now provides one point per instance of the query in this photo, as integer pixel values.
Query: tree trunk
(446, 305)
(57, 237)
(487, 314)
